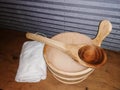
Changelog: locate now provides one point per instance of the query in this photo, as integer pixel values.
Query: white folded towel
(32, 67)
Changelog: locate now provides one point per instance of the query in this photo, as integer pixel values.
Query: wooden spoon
(104, 30)
(78, 52)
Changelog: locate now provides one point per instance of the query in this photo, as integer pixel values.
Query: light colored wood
(73, 49)
(71, 79)
(56, 57)
(104, 30)
(70, 49)
(53, 43)
(61, 65)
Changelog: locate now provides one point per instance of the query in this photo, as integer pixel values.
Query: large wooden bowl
(62, 66)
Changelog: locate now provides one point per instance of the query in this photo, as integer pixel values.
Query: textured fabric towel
(32, 67)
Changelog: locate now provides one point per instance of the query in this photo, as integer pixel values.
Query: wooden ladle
(87, 55)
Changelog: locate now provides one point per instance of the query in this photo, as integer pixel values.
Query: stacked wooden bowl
(62, 66)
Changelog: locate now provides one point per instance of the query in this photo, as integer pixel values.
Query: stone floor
(104, 78)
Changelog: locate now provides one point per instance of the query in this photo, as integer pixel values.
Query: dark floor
(104, 78)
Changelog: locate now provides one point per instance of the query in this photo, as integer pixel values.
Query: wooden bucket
(62, 66)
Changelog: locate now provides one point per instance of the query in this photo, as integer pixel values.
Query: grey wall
(55, 16)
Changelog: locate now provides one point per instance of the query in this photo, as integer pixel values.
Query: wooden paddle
(87, 55)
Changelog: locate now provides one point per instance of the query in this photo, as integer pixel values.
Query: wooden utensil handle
(46, 40)
(105, 28)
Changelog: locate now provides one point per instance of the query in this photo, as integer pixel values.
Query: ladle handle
(105, 28)
(46, 40)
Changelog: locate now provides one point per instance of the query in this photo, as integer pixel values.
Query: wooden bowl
(62, 66)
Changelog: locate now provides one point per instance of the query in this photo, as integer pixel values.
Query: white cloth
(32, 67)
